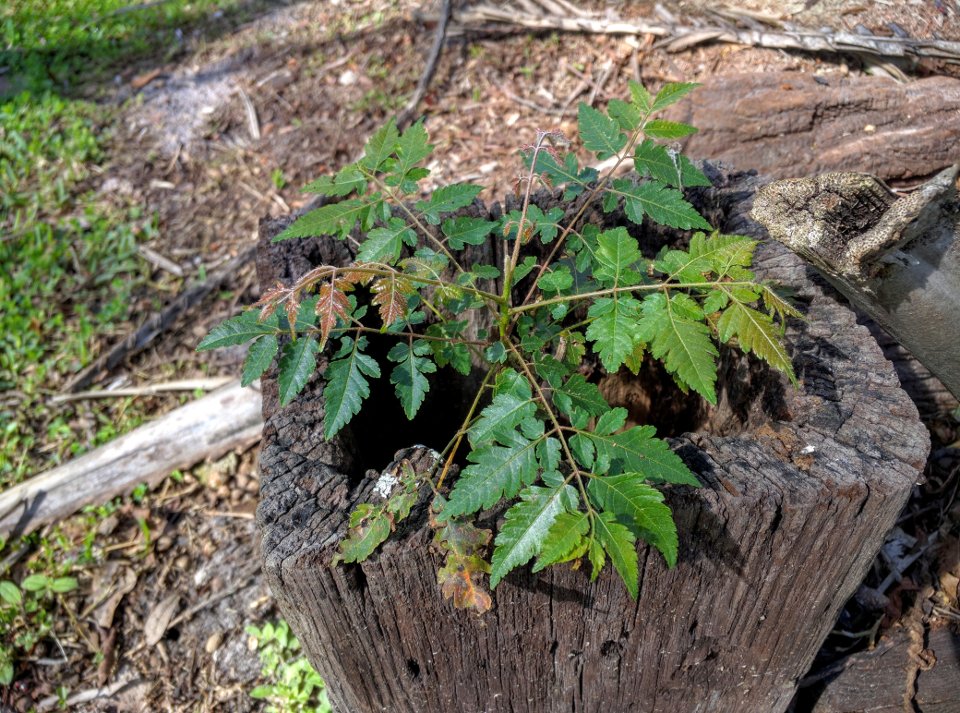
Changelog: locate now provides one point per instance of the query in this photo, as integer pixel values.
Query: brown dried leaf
(456, 582)
(159, 619)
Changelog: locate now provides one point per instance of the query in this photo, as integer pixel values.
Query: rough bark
(897, 259)
(800, 488)
(789, 124)
(905, 669)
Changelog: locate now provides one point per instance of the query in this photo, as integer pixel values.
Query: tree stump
(800, 486)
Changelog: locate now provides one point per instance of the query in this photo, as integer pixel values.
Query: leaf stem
(463, 428)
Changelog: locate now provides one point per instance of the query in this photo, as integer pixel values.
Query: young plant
(293, 686)
(575, 479)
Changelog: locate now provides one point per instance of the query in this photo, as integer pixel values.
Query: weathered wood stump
(789, 124)
(800, 487)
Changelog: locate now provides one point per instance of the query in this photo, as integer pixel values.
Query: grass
(70, 260)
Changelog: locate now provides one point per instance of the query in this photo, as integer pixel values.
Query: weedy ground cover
(577, 482)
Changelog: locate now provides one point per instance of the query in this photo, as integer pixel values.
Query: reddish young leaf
(332, 303)
(390, 296)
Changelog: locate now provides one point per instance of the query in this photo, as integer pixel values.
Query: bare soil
(213, 144)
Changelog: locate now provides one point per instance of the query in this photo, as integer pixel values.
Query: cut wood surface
(800, 487)
(789, 124)
(905, 672)
(206, 428)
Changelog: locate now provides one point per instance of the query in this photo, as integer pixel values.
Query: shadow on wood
(800, 488)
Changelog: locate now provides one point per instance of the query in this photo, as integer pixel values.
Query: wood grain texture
(800, 488)
(787, 124)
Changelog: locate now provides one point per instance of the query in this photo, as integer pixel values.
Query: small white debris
(347, 78)
(385, 484)
(807, 450)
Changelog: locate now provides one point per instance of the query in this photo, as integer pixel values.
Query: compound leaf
(565, 540)
(237, 330)
(447, 199)
(259, 358)
(526, 526)
(298, 362)
(384, 244)
(618, 542)
(755, 332)
(627, 496)
(613, 330)
(347, 386)
(663, 204)
(408, 376)
(333, 219)
(599, 133)
(681, 342)
(465, 230)
(495, 472)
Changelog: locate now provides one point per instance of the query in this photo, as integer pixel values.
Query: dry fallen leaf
(159, 619)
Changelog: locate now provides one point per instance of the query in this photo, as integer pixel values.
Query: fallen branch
(206, 428)
(896, 258)
(680, 37)
(159, 322)
(148, 390)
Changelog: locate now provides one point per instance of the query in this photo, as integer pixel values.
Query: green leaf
(599, 133)
(755, 332)
(627, 496)
(298, 362)
(367, 532)
(667, 166)
(663, 204)
(668, 130)
(680, 341)
(237, 330)
(625, 114)
(333, 219)
(62, 585)
(618, 542)
(725, 253)
(672, 93)
(616, 252)
(565, 540)
(526, 526)
(638, 450)
(380, 146)
(35, 583)
(464, 230)
(613, 329)
(496, 472)
(346, 386)
(347, 180)
(501, 416)
(384, 244)
(556, 279)
(579, 397)
(10, 593)
(408, 376)
(412, 148)
(567, 173)
(447, 199)
(641, 98)
(259, 358)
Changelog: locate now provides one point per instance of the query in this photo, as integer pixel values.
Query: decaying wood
(206, 428)
(897, 259)
(900, 674)
(800, 487)
(790, 125)
(487, 17)
(155, 325)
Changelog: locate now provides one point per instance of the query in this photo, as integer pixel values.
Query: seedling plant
(574, 480)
